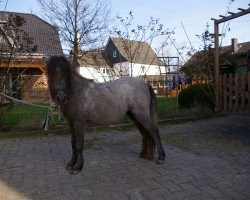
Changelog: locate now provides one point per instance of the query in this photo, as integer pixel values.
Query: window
(114, 54)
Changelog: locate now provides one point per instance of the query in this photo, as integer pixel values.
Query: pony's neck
(77, 81)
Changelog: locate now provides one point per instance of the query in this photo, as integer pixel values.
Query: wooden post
(236, 94)
(230, 85)
(216, 66)
(219, 88)
(242, 92)
(224, 89)
(248, 92)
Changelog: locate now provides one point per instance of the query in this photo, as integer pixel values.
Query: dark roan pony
(84, 102)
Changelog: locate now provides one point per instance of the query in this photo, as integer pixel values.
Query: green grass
(21, 115)
(168, 106)
(31, 117)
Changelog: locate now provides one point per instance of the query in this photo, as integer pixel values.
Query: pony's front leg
(73, 144)
(79, 144)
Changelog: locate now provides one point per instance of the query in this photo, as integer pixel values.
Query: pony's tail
(153, 105)
(148, 143)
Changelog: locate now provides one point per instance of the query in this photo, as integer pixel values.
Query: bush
(197, 95)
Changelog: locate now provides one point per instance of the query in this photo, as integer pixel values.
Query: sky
(191, 16)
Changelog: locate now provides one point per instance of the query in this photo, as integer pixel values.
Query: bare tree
(81, 22)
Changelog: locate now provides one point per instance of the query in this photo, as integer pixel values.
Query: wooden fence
(235, 92)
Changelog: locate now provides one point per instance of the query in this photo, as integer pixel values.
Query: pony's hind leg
(153, 131)
(148, 144)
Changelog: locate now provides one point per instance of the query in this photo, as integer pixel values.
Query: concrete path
(34, 168)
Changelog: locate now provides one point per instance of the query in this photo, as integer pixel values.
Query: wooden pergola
(216, 47)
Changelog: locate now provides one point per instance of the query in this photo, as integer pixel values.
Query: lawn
(31, 117)
(168, 107)
(24, 116)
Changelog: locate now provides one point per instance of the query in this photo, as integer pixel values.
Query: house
(133, 58)
(122, 57)
(237, 58)
(234, 58)
(94, 66)
(22, 67)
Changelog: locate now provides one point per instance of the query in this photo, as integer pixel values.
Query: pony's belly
(107, 118)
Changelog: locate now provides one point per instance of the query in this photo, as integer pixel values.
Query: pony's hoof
(147, 157)
(69, 167)
(159, 162)
(73, 172)
(76, 169)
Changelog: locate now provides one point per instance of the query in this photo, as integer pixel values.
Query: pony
(84, 102)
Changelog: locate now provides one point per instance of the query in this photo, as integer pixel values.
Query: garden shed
(26, 40)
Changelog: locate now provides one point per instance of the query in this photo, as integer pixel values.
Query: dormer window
(114, 54)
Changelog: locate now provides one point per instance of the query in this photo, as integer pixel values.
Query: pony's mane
(65, 66)
(56, 61)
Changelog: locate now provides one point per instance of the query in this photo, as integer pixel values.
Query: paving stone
(34, 168)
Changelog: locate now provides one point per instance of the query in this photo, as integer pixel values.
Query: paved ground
(196, 167)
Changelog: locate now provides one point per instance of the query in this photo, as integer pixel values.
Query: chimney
(234, 44)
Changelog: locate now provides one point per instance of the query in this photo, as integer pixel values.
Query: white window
(114, 54)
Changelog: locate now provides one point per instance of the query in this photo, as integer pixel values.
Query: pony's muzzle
(61, 97)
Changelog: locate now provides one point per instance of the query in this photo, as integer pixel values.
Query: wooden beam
(241, 9)
(222, 16)
(39, 65)
(241, 13)
(42, 69)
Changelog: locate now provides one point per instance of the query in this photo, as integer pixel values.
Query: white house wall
(119, 70)
(143, 69)
(95, 74)
(135, 69)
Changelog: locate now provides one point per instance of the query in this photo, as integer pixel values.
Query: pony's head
(58, 72)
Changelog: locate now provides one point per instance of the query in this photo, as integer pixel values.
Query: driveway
(205, 159)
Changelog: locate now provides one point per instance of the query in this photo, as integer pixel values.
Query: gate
(235, 92)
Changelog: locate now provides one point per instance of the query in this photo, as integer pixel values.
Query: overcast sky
(193, 14)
